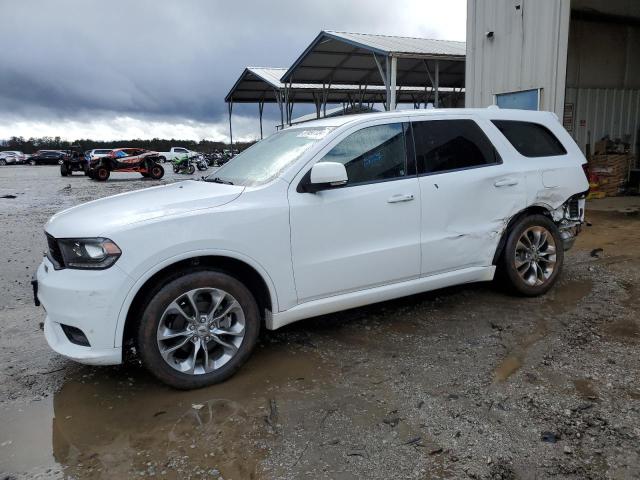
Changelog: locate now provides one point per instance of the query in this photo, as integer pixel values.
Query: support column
(260, 110)
(392, 84)
(280, 106)
(436, 101)
(385, 78)
(230, 104)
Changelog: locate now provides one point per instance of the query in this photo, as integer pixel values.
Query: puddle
(119, 424)
(585, 389)
(624, 330)
(515, 359)
(566, 296)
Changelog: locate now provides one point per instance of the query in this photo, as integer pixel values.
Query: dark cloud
(157, 59)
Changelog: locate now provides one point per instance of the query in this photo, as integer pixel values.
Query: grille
(55, 254)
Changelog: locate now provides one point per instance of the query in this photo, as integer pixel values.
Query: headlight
(89, 253)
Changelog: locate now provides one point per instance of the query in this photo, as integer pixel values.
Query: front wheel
(156, 172)
(198, 329)
(102, 174)
(64, 171)
(533, 256)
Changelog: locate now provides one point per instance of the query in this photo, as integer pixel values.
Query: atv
(73, 161)
(137, 160)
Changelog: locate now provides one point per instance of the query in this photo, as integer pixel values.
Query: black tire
(3, 162)
(192, 169)
(162, 159)
(507, 265)
(102, 174)
(64, 171)
(159, 300)
(156, 171)
(32, 163)
(176, 169)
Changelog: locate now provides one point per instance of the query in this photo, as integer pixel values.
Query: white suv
(320, 217)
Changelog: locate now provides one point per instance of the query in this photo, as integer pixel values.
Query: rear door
(366, 233)
(469, 191)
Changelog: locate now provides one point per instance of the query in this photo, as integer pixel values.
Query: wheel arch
(538, 209)
(257, 281)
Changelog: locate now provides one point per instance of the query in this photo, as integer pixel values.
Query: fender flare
(139, 282)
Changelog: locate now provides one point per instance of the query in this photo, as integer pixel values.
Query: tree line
(31, 145)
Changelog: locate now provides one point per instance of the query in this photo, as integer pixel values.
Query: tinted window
(371, 154)
(443, 145)
(530, 139)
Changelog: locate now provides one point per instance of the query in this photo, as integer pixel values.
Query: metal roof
(348, 58)
(387, 44)
(257, 84)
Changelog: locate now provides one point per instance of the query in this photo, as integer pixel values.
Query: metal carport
(341, 58)
(263, 85)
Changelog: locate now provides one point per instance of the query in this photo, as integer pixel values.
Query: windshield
(266, 159)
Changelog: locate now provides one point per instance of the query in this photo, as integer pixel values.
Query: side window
(444, 145)
(530, 139)
(372, 154)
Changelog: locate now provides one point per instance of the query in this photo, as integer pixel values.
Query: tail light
(587, 171)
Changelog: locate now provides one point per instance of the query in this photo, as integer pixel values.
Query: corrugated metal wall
(528, 50)
(602, 111)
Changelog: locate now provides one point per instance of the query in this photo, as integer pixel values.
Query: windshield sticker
(315, 134)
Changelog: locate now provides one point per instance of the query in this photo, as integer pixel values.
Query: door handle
(506, 182)
(400, 198)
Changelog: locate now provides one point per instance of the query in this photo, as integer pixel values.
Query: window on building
(372, 154)
(445, 145)
(530, 139)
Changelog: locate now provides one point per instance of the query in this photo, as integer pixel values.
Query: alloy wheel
(535, 255)
(201, 330)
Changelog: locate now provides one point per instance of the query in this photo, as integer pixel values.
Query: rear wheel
(102, 174)
(156, 171)
(64, 171)
(198, 329)
(192, 169)
(533, 256)
(32, 163)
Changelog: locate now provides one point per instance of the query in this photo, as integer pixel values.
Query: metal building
(577, 58)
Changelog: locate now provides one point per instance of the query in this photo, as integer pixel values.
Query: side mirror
(326, 175)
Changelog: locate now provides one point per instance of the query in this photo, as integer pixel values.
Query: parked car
(47, 157)
(176, 152)
(126, 160)
(12, 157)
(328, 215)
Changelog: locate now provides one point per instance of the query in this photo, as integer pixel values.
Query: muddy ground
(466, 382)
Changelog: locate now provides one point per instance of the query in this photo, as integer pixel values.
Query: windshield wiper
(219, 180)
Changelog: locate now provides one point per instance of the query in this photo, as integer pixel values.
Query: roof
(257, 84)
(349, 58)
(387, 44)
(491, 113)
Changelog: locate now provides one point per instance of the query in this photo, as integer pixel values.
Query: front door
(366, 233)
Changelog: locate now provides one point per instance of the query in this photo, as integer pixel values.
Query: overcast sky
(110, 69)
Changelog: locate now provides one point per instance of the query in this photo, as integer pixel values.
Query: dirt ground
(466, 382)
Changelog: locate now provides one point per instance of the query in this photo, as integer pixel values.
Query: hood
(100, 217)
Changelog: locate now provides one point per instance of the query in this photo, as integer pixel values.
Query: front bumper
(87, 300)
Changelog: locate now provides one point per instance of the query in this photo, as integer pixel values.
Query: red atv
(126, 160)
